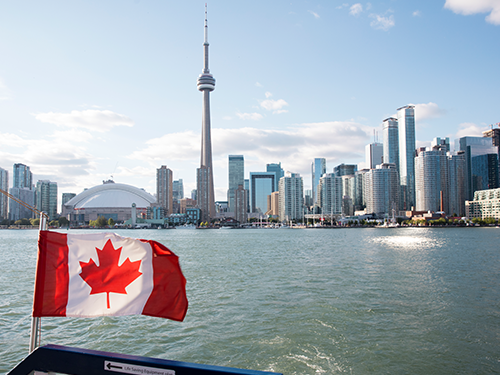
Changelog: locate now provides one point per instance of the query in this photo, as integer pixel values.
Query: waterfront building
(18, 211)
(486, 204)
(456, 183)
(374, 154)
(240, 204)
(431, 181)
(262, 184)
(278, 172)
(110, 200)
(164, 189)
(382, 189)
(330, 193)
(274, 204)
(391, 141)
(347, 207)
(155, 212)
(4, 199)
(473, 146)
(291, 197)
(318, 169)
(186, 203)
(22, 177)
(485, 172)
(236, 177)
(46, 197)
(221, 207)
(406, 131)
(345, 169)
(204, 175)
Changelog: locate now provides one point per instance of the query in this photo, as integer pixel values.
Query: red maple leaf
(108, 276)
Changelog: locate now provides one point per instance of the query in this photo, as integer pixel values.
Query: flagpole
(36, 328)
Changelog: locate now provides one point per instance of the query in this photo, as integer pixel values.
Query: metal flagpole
(36, 328)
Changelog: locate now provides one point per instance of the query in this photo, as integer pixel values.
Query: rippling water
(315, 301)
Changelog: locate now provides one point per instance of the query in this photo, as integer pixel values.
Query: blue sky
(93, 89)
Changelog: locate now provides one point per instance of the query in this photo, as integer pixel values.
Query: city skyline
(89, 98)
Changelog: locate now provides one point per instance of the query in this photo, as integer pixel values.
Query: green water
(313, 301)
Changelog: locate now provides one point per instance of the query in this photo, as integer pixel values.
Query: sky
(93, 90)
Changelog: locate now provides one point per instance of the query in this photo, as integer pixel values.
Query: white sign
(126, 368)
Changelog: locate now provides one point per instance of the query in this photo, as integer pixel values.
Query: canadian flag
(85, 275)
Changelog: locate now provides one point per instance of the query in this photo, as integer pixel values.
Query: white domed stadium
(110, 200)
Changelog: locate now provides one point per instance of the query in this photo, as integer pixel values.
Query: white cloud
(356, 9)
(425, 111)
(294, 147)
(316, 15)
(276, 106)
(91, 119)
(258, 84)
(268, 94)
(468, 7)
(250, 116)
(181, 146)
(417, 13)
(344, 5)
(469, 129)
(382, 22)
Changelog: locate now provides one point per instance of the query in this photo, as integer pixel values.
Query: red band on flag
(52, 278)
(168, 298)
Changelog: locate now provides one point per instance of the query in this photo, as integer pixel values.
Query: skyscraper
(291, 197)
(4, 200)
(330, 194)
(46, 197)
(164, 189)
(345, 169)
(22, 177)
(374, 154)
(261, 185)
(473, 146)
(205, 177)
(318, 169)
(236, 177)
(278, 171)
(177, 190)
(391, 141)
(382, 189)
(431, 181)
(406, 130)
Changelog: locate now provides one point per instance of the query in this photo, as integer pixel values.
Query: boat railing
(56, 359)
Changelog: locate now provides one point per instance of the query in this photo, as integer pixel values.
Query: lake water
(297, 301)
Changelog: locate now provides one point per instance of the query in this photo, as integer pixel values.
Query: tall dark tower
(205, 177)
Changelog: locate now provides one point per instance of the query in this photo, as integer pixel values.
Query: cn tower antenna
(206, 24)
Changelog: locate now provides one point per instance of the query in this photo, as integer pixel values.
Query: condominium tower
(406, 130)
(236, 177)
(4, 199)
(291, 197)
(46, 197)
(164, 189)
(391, 141)
(318, 169)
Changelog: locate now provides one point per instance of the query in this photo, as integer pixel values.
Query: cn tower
(205, 177)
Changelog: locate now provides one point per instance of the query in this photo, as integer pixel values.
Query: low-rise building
(486, 204)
